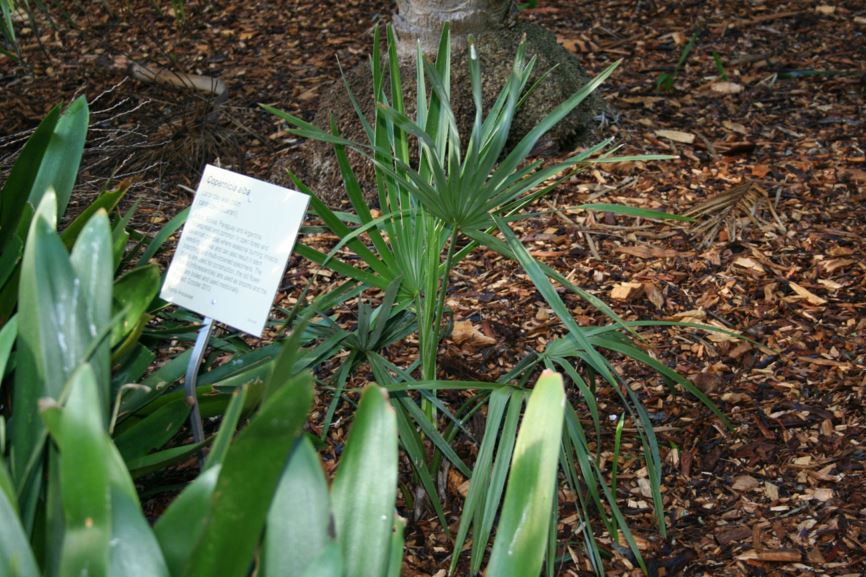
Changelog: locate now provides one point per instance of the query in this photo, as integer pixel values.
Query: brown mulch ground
(779, 146)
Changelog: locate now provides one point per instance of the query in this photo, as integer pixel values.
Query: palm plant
(437, 205)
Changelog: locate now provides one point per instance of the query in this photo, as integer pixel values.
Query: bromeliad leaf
(248, 479)
(300, 515)
(54, 333)
(365, 487)
(521, 539)
(16, 560)
(84, 480)
(59, 165)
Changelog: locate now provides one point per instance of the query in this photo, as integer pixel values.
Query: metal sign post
(191, 379)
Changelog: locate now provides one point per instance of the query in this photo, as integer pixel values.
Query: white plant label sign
(233, 249)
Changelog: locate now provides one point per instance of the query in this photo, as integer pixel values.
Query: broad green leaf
(300, 514)
(157, 382)
(247, 482)
(229, 424)
(59, 165)
(365, 486)
(7, 339)
(130, 347)
(134, 549)
(16, 189)
(91, 261)
(285, 364)
(396, 548)
(521, 538)
(84, 480)
(53, 332)
(9, 258)
(133, 293)
(153, 431)
(329, 563)
(6, 485)
(159, 460)
(16, 559)
(120, 234)
(106, 201)
(181, 525)
(163, 235)
(131, 367)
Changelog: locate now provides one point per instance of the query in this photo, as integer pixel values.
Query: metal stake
(189, 382)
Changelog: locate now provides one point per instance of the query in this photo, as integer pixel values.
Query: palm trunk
(422, 21)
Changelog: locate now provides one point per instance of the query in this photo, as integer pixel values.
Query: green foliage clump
(441, 195)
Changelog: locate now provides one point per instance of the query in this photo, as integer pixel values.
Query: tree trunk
(498, 33)
(422, 21)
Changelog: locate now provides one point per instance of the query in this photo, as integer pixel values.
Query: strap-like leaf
(523, 531)
(365, 486)
(84, 480)
(300, 515)
(247, 481)
(16, 559)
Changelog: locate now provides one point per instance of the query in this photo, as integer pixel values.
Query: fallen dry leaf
(760, 170)
(692, 316)
(466, 332)
(654, 294)
(745, 483)
(727, 535)
(645, 488)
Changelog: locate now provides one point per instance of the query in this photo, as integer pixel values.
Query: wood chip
(776, 555)
(810, 297)
(830, 284)
(676, 136)
(749, 263)
(823, 494)
(626, 291)
(647, 251)
(727, 535)
(726, 87)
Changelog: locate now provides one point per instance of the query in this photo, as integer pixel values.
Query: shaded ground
(782, 138)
